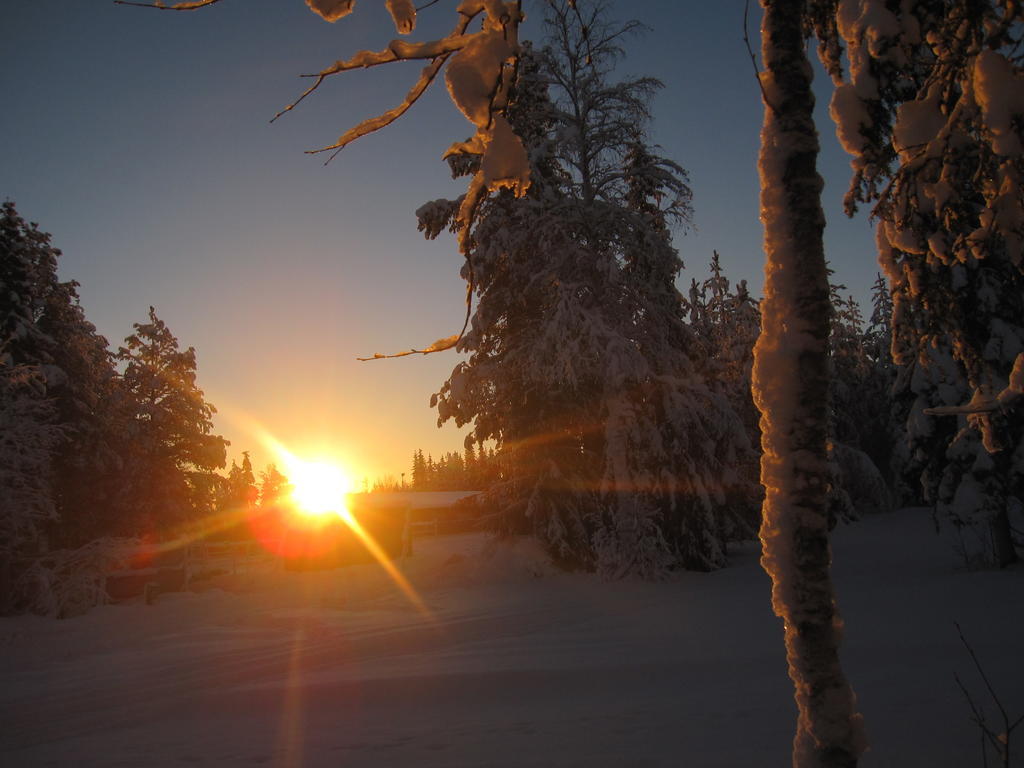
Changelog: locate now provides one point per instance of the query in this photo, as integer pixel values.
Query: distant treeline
(472, 470)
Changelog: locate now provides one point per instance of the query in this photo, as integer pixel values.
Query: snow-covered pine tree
(28, 441)
(791, 388)
(878, 333)
(89, 406)
(273, 486)
(241, 484)
(235, 498)
(471, 479)
(62, 432)
(849, 364)
(82, 391)
(29, 433)
(727, 321)
(933, 113)
(881, 444)
(173, 451)
(859, 414)
(880, 429)
(581, 368)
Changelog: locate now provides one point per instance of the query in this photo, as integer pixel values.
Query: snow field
(520, 665)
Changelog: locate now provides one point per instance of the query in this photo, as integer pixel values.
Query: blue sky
(140, 139)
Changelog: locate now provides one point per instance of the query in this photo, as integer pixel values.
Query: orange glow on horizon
(304, 523)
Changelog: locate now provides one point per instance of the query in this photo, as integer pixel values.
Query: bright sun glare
(319, 487)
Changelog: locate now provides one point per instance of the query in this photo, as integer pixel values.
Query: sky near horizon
(140, 140)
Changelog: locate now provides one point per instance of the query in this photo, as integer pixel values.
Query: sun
(319, 487)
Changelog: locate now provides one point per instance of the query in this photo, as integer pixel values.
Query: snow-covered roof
(414, 499)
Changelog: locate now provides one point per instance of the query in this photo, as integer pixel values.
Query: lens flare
(319, 488)
(310, 522)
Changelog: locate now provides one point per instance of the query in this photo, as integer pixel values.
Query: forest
(634, 422)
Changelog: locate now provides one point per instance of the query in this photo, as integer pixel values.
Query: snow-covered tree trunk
(791, 383)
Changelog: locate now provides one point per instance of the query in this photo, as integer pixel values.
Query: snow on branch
(399, 50)
(479, 79)
(981, 403)
(438, 346)
(385, 118)
(439, 51)
(481, 68)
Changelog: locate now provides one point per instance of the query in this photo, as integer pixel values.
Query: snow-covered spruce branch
(1010, 397)
(978, 405)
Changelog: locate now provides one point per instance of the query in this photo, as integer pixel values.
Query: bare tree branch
(981, 671)
(161, 6)
(385, 119)
(1000, 741)
(753, 58)
(979, 719)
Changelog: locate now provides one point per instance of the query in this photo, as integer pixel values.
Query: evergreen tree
(29, 430)
(241, 484)
(727, 320)
(931, 112)
(273, 487)
(28, 269)
(859, 416)
(472, 472)
(429, 474)
(59, 405)
(73, 366)
(173, 451)
(878, 334)
(90, 408)
(581, 369)
(880, 430)
(28, 441)
(419, 470)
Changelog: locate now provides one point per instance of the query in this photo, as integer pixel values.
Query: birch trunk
(790, 382)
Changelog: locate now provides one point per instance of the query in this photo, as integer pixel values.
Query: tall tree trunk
(1002, 539)
(6, 585)
(790, 383)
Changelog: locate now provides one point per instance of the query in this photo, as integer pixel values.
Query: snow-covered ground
(517, 666)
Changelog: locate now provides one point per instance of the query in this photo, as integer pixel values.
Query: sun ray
(322, 493)
(387, 564)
